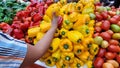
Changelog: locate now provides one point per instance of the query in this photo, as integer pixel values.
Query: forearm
(35, 52)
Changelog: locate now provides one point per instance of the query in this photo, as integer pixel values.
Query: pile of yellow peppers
(73, 45)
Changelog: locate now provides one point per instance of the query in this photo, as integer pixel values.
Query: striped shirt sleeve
(12, 51)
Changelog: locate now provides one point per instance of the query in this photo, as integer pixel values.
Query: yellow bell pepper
(89, 64)
(91, 23)
(63, 10)
(91, 32)
(66, 45)
(75, 36)
(94, 49)
(67, 24)
(77, 63)
(39, 35)
(52, 8)
(63, 32)
(88, 10)
(84, 29)
(82, 20)
(49, 61)
(56, 55)
(67, 57)
(32, 32)
(62, 64)
(57, 33)
(85, 2)
(46, 18)
(78, 49)
(63, 2)
(73, 17)
(87, 43)
(35, 41)
(79, 7)
(54, 45)
(84, 56)
(44, 26)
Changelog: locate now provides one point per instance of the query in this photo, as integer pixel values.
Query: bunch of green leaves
(9, 8)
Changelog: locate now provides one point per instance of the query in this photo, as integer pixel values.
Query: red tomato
(118, 23)
(118, 58)
(105, 25)
(98, 24)
(98, 29)
(110, 32)
(111, 13)
(98, 16)
(113, 42)
(113, 21)
(110, 55)
(101, 52)
(113, 48)
(117, 17)
(105, 36)
(98, 62)
(104, 15)
(96, 34)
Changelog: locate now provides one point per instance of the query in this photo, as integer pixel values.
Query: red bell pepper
(60, 19)
(37, 17)
(18, 33)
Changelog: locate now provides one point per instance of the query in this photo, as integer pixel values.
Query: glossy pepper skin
(57, 33)
(77, 63)
(33, 31)
(66, 45)
(84, 56)
(79, 7)
(67, 57)
(54, 45)
(52, 8)
(46, 18)
(73, 16)
(78, 49)
(75, 36)
(87, 43)
(94, 49)
(89, 64)
(67, 24)
(56, 55)
(63, 32)
(49, 61)
(45, 26)
(82, 20)
(39, 35)
(84, 29)
(62, 64)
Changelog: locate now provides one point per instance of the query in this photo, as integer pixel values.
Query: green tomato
(115, 28)
(98, 40)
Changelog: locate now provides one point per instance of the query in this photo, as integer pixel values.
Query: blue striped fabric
(12, 51)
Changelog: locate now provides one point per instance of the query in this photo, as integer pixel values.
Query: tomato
(118, 23)
(98, 24)
(96, 34)
(111, 13)
(107, 65)
(105, 25)
(113, 48)
(98, 16)
(110, 55)
(101, 52)
(113, 20)
(118, 58)
(117, 17)
(105, 36)
(104, 44)
(98, 29)
(98, 62)
(104, 15)
(113, 42)
(110, 32)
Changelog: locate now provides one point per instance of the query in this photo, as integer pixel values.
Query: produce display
(107, 32)
(88, 33)
(73, 45)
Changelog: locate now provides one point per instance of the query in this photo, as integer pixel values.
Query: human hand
(54, 20)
